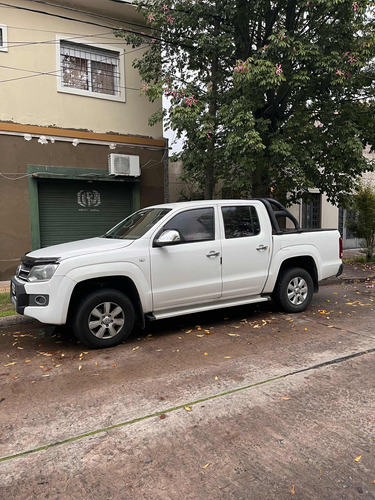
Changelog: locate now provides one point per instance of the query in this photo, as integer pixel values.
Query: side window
(240, 222)
(194, 225)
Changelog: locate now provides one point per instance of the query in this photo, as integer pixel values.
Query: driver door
(188, 272)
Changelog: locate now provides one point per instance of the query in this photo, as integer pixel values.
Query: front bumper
(18, 295)
(21, 299)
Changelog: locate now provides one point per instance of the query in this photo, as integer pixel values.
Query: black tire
(103, 318)
(294, 290)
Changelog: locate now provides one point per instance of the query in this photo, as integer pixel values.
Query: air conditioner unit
(124, 165)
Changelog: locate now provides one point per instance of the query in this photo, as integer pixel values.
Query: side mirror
(168, 237)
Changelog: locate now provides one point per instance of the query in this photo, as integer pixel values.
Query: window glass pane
(1, 37)
(103, 77)
(240, 222)
(74, 72)
(194, 225)
(136, 225)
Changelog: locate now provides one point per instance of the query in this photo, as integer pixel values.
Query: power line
(56, 73)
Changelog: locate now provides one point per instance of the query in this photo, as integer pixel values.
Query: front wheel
(294, 290)
(104, 318)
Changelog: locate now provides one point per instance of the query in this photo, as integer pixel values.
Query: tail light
(340, 248)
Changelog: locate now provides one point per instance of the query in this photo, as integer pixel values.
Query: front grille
(24, 271)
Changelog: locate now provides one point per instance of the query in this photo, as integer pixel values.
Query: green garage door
(73, 210)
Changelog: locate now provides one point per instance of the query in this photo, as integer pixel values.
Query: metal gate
(72, 210)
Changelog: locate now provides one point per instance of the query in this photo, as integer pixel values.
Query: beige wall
(35, 100)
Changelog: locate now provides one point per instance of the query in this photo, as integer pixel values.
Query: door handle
(261, 248)
(213, 254)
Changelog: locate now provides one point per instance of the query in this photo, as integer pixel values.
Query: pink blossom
(339, 73)
(170, 19)
(165, 8)
(351, 59)
(189, 101)
(151, 18)
(355, 6)
(278, 69)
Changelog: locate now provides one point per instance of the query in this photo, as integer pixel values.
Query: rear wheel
(104, 318)
(294, 290)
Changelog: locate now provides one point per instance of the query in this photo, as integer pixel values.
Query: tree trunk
(210, 166)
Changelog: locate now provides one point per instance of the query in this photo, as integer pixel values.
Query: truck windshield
(137, 224)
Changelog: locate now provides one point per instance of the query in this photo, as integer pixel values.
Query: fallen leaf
(227, 357)
(200, 335)
(135, 348)
(206, 353)
(28, 361)
(114, 365)
(216, 378)
(293, 490)
(187, 408)
(357, 459)
(188, 331)
(205, 466)
(233, 335)
(285, 399)
(10, 364)
(80, 367)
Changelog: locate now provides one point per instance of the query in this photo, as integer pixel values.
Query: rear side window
(240, 222)
(194, 225)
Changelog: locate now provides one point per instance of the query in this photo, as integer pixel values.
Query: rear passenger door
(246, 251)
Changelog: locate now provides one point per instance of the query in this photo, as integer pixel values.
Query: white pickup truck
(174, 259)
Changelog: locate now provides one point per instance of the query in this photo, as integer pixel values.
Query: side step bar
(208, 306)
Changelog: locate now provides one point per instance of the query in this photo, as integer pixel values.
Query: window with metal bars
(3, 38)
(311, 212)
(89, 69)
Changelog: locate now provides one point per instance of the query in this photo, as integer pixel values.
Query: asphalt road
(243, 403)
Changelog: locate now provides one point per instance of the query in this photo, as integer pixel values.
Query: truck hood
(77, 248)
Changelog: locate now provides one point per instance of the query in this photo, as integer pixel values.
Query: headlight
(42, 273)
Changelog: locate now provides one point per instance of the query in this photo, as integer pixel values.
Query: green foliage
(362, 224)
(268, 94)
